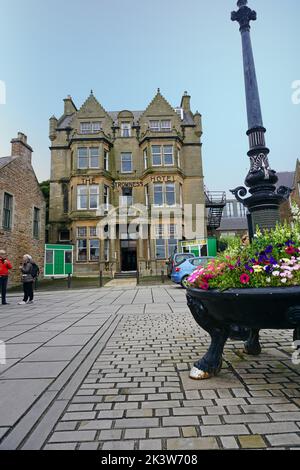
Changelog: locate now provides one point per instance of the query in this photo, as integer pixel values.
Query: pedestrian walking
(5, 266)
(27, 271)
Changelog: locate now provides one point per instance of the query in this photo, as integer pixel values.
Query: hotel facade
(126, 186)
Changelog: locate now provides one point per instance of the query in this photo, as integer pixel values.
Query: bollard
(69, 281)
(101, 279)
(138, 278)
(163, 277)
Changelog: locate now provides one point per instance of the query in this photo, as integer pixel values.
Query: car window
(181, 258)
(200, 261)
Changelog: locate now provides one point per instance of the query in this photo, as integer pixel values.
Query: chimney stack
(70, 107)
(20, 147)
(186, 102)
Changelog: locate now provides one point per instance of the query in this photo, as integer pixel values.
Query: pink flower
(245, 278)
(290, 250)
(204, 286)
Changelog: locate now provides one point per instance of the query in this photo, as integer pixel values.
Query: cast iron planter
(240, 314)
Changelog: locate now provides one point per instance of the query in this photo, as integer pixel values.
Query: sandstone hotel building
(134, 159)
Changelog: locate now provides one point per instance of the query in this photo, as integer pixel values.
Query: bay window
(170, 194)
(82, 250)
(164, 194)
(162, 155)
(88, 157)
(106, 160)
(94, 250)
(156, 155)
(106, 197)
(158, 195)
(168, 155)
(87, 197)
(94, 197)
(82, 197)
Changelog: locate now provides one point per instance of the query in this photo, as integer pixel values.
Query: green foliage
(272, 260)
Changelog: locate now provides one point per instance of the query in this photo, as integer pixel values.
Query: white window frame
(86, 248)
(147, 195)
(179, 157)
(165, 128)
(106, 196)
(93, 187)
(145, 153)
(174, 186)
(81, 189)
(156, 185)
(88, 158)
(156, 154)
(125, 129)
(91, 241)
(91, 127)
(155, 128)
(106, 160)
(164, 155)
(106, 250)
(123, 154)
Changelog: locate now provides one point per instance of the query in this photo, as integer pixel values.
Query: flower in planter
(245, 278)
(272, 260)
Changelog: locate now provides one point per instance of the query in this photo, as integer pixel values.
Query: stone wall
(18, 179)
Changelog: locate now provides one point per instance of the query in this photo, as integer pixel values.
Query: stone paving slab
(107, 369)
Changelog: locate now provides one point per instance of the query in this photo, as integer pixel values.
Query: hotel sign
(140, 184)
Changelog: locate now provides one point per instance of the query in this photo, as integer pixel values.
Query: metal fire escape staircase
(215, 201)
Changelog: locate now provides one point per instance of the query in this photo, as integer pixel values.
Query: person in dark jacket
(5, 266)
(27, 279)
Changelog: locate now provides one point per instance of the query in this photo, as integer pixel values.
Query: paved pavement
(108, 369)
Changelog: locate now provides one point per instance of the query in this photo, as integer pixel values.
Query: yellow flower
(258, 269)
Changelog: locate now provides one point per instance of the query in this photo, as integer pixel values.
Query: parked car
(182, 271)
(177, 259)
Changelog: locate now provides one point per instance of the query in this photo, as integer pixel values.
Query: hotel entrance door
(128, 255)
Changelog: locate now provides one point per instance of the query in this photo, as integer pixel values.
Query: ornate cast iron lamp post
(264, 199)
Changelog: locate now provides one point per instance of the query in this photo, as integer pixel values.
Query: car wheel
(184, 282)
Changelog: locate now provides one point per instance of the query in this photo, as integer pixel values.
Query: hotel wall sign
(140, 184)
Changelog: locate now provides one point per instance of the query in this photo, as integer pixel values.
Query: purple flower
(269, 269)
(273, 260)
(249, 268)
(289, 243)
(269, 249)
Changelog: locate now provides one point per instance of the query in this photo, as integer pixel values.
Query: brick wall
(18, 179)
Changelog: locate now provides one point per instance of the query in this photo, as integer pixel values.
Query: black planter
(240, 314)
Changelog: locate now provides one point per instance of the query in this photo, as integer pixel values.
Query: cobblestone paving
(108, 369)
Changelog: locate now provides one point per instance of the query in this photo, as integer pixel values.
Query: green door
(59, 262)
(195, 250)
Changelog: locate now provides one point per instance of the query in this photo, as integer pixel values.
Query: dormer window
(160, 126)
(125, 129)
(90, 127)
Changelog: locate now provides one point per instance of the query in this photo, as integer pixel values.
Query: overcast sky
(125, 50)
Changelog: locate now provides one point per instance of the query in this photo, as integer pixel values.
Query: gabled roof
(92, 107)
(92, 102)
(161, 100)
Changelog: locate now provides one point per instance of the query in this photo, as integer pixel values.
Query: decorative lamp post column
(263, 200)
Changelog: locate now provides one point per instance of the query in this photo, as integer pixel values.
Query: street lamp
(263, 199)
